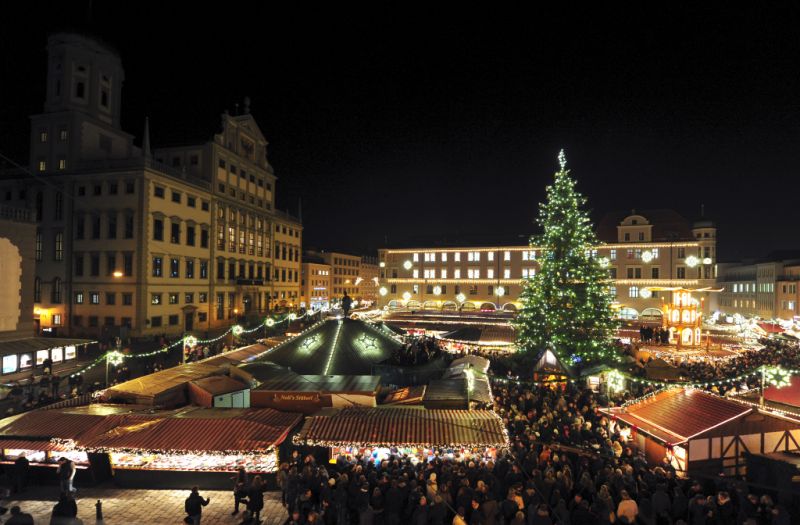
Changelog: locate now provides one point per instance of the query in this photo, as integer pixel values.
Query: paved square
(141, 506)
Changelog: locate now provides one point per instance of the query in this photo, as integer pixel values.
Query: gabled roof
(327, 384)
(676, 415)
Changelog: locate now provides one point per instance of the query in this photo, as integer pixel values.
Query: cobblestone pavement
(141, 507)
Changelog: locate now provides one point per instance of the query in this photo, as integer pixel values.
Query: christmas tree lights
(567, 303)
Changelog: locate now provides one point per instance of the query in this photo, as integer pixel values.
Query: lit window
(42, 165)
(490, 272)
(633, 291)
(457, 257)
(613, 255)
(507, 255)
(654, 251)
(62, 164)
(416, 274)
(457, 273)
(443, 274)
(416, 257)
(490, 256)
(444, 257)
(506, 273)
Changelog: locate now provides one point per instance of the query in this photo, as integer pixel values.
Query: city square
(299, 276)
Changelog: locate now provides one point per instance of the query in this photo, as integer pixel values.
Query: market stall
(415, 432)
(309, 393)
(166, 388)
(489, 337)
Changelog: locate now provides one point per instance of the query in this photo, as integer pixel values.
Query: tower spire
(146, 153)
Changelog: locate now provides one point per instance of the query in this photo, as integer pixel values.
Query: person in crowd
(18, 517)
(21, 469)
(240, 488)
(255, 498)
(65, 512)
(66, 473)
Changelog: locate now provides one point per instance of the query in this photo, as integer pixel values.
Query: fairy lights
(777, 376)
(333, 347)
(616, 381)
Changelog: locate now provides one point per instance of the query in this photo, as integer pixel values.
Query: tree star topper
(562, 159)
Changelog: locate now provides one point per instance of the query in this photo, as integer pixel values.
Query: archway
(628, 313)
(487, 306)
(652, 314)
(510, 307)
(449, 305)
(394, 304)
(430, 305)
(413, 303)
(467, 306)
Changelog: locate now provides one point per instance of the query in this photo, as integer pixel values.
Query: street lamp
(117, 274)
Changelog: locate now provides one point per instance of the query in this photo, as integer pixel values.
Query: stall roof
(309, 383)
(335, 346)
(456, 389)
(236, 356)
(32, 344)
(482, 334)
(787, 395)
(218, 385)
(404, 426)
(198, 430)
(147, 388)
(480, 364)
(676, 415)
(187, 430)
(27, 444)
(263, 371)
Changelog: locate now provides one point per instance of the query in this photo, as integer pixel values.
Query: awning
(33, 344)
(25, 444)
(404, 427)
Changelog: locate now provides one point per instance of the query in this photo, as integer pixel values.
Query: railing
(141, 163)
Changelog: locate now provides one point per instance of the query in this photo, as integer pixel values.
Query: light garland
(777, 376)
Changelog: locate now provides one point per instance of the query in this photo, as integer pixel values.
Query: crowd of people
(651, 335)
(417, 351)
(566, 465)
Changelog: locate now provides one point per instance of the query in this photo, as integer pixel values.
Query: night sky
(406, 122)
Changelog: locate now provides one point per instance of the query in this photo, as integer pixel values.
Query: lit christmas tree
(567, 303)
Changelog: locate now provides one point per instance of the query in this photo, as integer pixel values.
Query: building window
(173, 320)
(78, 297)
(127, 299)
(613, 255)
(98, 190)
(641, 236)
(127, 264)
(158, 191)
(173, 298)
(158, 229)
(129, 226)
(130, 187)
(93, 321)
(204, 269)
(37, 290)
(506, 274)
(490, 256)
(94, 297)
(174, 267)
(112, 225)
(111, 263)
(490, 272)
(175, 233)
(190, 235)
(113, 188)
(38, 252)
(94, 265)
(58, 255)
(633, 291)
(56, 319)
(473, 289)
(681, 253)
(157, 266)
(176, 197)
(190, 268)
(654, 272)
(42, 165)
(634, 273)
(155, 298)
(155, 321)
(681, 271)
(111, 298)
(55, 293)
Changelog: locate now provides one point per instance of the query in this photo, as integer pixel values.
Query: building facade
(368, 280)
(647, 254)
(315, 284)
(19, 285)
(764, 289)
(141, 242)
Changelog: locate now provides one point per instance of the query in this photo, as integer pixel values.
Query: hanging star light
(777, 376)
(270, 322)
(237, 330)
(616, 381)
(115, 358)
(190, 341)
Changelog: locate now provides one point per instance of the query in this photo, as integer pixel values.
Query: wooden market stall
(702, 433)
(415, 432)
(309, 393)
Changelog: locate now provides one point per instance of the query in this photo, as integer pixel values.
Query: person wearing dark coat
(65, 512)
(420, 516)
(240, 485)
(476, 517)
(194, 505)
(661, 502)
(581, 515)
(19, 518)
(680, 505)
(437, 512)
(21, 469)
(394, 504)
(540, 517)
(255, 498)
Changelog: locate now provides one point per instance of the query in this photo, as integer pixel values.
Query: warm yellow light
(383, 291)
(437, 290)
(236, 310)
(501, 291)
(383, 264)
(406, 296)
(407, 265)
(117, 274)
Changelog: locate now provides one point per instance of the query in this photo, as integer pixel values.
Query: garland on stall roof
(237, 330)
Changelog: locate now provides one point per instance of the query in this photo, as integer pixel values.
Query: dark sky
(406, 120)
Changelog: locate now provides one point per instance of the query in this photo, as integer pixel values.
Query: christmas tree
(567, 303)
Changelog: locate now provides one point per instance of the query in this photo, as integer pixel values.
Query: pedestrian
(18, 517)
(346, 302)
(65, 512)
(194, 506)
(255, 498)
(240, 486)
(21, 468)
(66, 473)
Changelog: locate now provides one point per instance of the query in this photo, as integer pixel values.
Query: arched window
(55, 293)
(37, 290)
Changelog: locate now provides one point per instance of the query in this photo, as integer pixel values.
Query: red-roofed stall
(702, 433)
